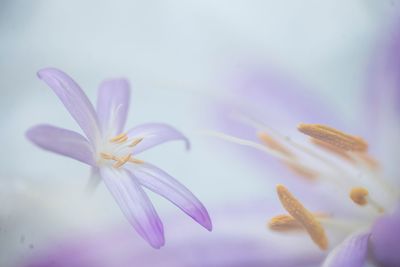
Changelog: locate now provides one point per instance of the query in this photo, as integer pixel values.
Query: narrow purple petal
(135, 204)
(61, 141)
(154, 134)
(113, 105)
(351, 252)
(74, 99)
(162, 183)
(385, 240)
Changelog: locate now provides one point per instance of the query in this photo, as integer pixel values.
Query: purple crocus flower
(111, 152)
(346, 198)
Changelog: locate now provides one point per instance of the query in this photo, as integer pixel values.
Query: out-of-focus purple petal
(120, 250)
(385, 240)
(113, 105)
(234, 243)
(61, 141)
(154, 134)
(135, 204)
(382, 105)
(383, 79)
(351, 252)
(274, 99)
(74, 99)
(162, 183)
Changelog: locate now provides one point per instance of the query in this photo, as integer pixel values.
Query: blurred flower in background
(175, 55)
(353, 196)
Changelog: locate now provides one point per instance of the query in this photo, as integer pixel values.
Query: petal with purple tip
(61, 141)
(113, 105)
(162, 183)
(385, 240)
(135, 205)
(74, 99)
(351, 252)
(154, 134)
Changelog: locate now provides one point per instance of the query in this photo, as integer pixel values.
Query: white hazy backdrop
(175, 54)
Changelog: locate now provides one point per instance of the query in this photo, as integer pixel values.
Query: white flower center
(118, 150)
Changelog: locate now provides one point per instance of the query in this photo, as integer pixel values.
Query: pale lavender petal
(382, 108)
(61, 141)
(74, 99)
(154, 134)
(383, 76)
(385, 240)
(135, 204)
(352, 252)
(163, 184)
(113, 105)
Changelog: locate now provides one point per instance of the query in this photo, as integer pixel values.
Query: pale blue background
(175, 54)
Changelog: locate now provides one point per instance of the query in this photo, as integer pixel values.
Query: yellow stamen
(359, 195)
(137, 161)
(273, 144)
(333, 149)
(136, 141)
(302, 171)
(122, 161)
(106, 155)
(119, 138)
(303, 216)
(370, 161)
(334, 137)
(122, 140)
(284, 223)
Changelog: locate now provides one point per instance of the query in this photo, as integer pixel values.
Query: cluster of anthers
(352, 150)
(119, 151)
